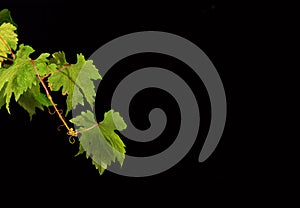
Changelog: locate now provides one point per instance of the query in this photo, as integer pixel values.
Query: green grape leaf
(20, 76)
(42, 99)
(6, 17)
(8, 40)
(100, 141)
(43, 66)
(59, 58)
(75, 89)
(32, 99)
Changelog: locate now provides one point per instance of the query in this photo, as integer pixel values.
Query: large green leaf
(20, 77)
(100, 141)
(77, 88)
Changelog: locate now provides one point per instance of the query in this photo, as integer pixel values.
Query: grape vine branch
(22, 78)
(71, 132)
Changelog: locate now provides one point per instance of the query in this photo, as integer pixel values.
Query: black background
(36, 157)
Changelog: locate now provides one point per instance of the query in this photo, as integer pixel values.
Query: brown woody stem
(58, 70)
(7, 58)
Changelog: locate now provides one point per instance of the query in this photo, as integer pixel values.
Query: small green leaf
(59, 58)
(6, 17)
(43, 66)
(24, 51)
